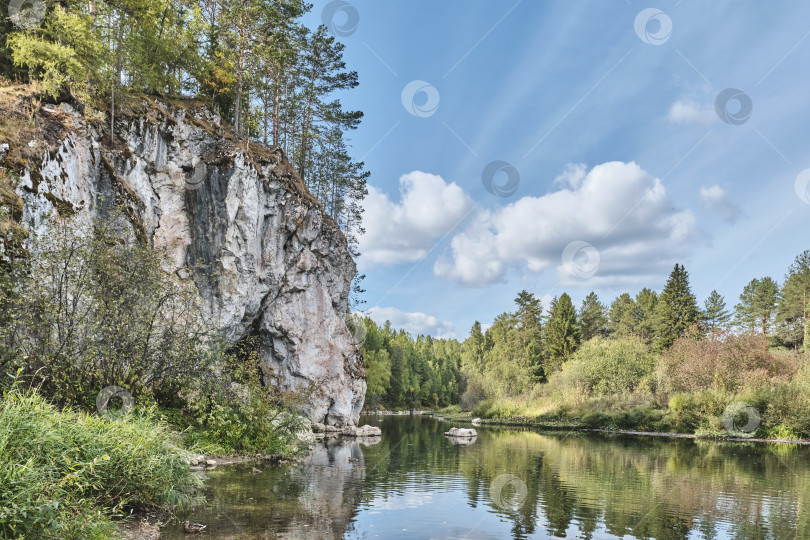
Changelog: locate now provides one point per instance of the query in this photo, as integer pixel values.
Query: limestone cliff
(239, 222)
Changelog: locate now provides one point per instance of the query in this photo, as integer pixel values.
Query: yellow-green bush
(607, 366)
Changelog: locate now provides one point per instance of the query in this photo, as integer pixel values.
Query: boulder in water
(462, 433)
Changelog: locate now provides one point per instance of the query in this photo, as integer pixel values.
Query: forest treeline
(273, 79)
(525, 347)
(403, 372)
(629, 345)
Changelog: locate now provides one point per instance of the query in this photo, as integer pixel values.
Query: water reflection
(516, 484)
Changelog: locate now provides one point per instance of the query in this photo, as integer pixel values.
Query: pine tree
(794, 304)
(676, 311)
(529, 319)
(757, 306)
(323, 72)
(562, 333)
(715, 316)
(592, 317)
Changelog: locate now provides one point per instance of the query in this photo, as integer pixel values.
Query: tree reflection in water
(416, 484)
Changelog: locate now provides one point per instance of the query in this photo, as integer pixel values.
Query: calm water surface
(415, 483)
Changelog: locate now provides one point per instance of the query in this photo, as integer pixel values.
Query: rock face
(264, 255)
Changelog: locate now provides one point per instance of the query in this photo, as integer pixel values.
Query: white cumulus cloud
(716, 199)
(619, 209)
(414, 323)
(405, 230)
(690, 112)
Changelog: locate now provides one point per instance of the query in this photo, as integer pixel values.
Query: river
(416, 483)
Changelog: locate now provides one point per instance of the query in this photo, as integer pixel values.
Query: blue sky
(607, 114)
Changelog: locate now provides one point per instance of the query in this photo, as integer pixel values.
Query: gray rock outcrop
(461, 433)
(263, 253)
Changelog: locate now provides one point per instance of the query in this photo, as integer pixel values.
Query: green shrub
(483, 409)
(63, 472)
(785, 404)
(782, 432)
(689, 412)
(475, 391)
(233, 413)
(95, 308)
(604, 367)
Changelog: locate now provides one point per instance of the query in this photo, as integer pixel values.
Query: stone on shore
(364, 431)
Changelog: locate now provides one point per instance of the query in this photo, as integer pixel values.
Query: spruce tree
(646, 300)
(715, 316)
(472, 350)
(622, 316)
(529, 321)
(676, 311)
(592, 317)
(562, 333)
(794, 303)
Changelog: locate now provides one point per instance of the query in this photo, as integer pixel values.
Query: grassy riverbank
(779, 411)
(68, 474)
(64, 474)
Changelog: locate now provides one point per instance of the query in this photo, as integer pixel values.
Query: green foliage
(95, 309)
(475, 391)
(473, 349)
(562, 332)
(529, 325)
(234, 413)
(63, 472)
(794, 303)
(622, 316)
(645, 302)
(378, 374)
(604, 367)
(403, 372)
(592, 317)
(509, 358)
(703, 410)
(714, 315)
(757, 306)
(676, 311)
(65, 53)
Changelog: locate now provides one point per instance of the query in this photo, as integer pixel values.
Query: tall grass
(63, 473)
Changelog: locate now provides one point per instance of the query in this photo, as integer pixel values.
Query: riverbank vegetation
(64, 473)
(107, 372)
(656, 362)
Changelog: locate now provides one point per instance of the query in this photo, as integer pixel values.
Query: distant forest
(522, 349)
